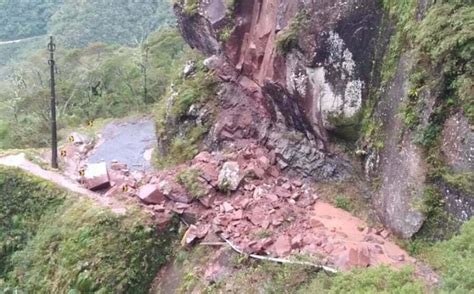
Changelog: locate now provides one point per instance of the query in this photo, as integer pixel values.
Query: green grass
(461, 181)
(180, 135)
(191, 7)
(288, 38)
(402, 13)
(438, 224)
(23, 202)
(372, 280)
(343, 202)
(181, 148)
(55, 242)
(454, 259)
(225, 33)
(262, 234)
(267, 277)
(189, 178)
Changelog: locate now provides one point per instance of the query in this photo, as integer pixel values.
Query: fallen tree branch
(279, 260)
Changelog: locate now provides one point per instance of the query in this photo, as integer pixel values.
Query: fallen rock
(81, 142)
(264, 162)
(297, 183)
(297, 241)
(118, 166)
(189, 217)
(373, 238)
(227, 207)
(79, 139)
(206, 201)
(174, 192)
(385, 234)
(229, 177)
(163, 220)
(282, 245)
(354, 257)
(274, 172)
(193, 234)
(400, 257)
(272, 197)
(238, 215)
(203, 157)
(255, 171)
(159, 208)
(113, 191)
(150, 194)
(96, 176)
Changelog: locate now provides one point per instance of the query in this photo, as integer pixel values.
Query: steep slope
(307, 73)
(92, 248)
(303, 78)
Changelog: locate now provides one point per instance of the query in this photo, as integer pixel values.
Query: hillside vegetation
(55, 242)
(79, 23)
(23, 19)
(98, 81)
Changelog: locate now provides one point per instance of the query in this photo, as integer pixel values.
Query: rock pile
(245, 199)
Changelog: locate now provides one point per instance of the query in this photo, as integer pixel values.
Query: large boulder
(229, 176)
(96, 176)
(150, 194)
(174, 192)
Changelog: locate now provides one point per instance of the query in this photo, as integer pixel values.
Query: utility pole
(54, 136)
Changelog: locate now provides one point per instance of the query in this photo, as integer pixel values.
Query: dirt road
(21, 162)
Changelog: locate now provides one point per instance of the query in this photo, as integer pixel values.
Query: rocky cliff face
(299, 70)
(316, 54)
(307, 62)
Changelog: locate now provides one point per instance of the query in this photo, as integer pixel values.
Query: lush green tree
(79, 23)
(23, 19)
(97, 81)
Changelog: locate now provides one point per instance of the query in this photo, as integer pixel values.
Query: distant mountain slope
(23, 19)
(79, 23)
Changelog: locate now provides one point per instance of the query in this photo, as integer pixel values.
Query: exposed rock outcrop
(457, 143)
(294, 72)
(401, 162)
(325, 73)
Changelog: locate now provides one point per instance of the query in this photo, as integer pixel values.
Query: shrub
(189, 178)
(179, 132)
(454, 258)
(438, 224)
(191, 7)
(288, 39)
(461, 181)
(23, 202)
(343, 202)
(372, 280)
